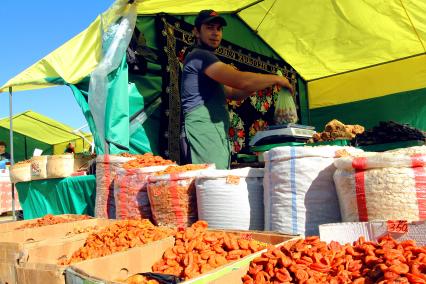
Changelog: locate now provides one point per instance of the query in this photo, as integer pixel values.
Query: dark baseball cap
(206, 16)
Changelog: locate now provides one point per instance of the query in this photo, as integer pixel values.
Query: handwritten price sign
(397, 226)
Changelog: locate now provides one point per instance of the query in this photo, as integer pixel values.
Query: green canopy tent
(358, 61)
(35, 131)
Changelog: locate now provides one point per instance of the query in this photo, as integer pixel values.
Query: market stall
(35, 131)
(312, 187)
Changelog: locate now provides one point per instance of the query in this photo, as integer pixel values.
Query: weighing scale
(283, 133)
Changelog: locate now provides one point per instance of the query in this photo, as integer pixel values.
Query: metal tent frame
(12, 161)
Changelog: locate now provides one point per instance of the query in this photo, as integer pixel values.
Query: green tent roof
(41, 128)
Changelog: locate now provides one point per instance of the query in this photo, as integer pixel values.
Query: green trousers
(206, 130)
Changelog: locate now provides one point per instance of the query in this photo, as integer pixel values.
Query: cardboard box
(111, 269)
(11, 226)
(13, 244)
(38, 264)
(50, 231)
(350, 232)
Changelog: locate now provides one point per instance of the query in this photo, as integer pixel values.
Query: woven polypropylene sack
(130, 192)
(38, 167)
(173, 199)
(385, 186)
(299, 190)
(106, 169)
(409, 151)
(231, 199)
(60, 166)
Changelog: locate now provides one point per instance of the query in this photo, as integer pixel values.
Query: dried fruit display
(23, 162)
(145, 160)
(127, 155)
(172, 195)
(197, 251)
(387, 132)
(337, 130)
(117, 237)
(312, 261)
(182, 169)
(173, 201)
(49, 219)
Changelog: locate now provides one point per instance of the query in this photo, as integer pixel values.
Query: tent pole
(12, 161)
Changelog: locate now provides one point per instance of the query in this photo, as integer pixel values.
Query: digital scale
(283, 133)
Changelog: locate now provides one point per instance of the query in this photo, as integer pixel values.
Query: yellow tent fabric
(368, 83)
(323, 38)
(46, 130)
(184, 7)
(318, 38)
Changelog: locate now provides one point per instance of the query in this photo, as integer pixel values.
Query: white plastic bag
(285, 108)
(231, 199)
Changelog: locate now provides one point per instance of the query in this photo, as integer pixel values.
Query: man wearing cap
(206, 83)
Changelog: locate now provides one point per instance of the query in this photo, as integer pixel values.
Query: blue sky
(30, 30)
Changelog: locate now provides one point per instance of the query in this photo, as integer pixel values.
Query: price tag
(397, 226)
(233, 180)
(247, 236)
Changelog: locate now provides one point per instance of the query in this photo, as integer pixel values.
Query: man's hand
(284, 82)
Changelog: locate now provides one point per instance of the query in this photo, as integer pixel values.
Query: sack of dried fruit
(382, 186)
(106, 169)
(130, 192)
(172, 195)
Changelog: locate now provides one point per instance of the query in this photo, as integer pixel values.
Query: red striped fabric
(359, 164)
(418, 164)
(176, 207)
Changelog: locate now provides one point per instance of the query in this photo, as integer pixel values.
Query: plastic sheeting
(116, 40)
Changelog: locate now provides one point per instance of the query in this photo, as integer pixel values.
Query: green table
(71, 195)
